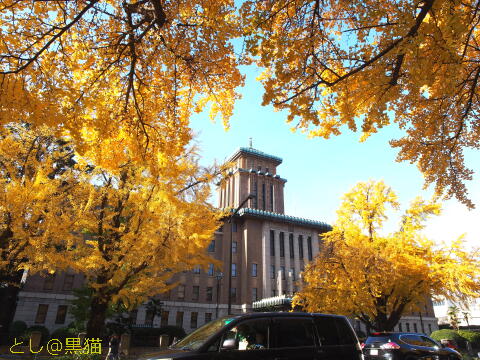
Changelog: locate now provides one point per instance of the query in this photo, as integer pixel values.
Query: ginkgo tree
(367, 64)
(377, 278)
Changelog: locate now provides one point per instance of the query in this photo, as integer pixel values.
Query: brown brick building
(269, 252)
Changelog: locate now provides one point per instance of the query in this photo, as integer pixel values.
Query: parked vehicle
(406, 346)
(270, 336)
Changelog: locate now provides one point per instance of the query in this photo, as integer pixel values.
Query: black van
(272, 336)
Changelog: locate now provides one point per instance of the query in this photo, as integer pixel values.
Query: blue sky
(319, 171)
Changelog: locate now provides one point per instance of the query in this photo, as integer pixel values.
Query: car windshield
(197, 338)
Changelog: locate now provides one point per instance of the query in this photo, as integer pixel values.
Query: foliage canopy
(376, 278)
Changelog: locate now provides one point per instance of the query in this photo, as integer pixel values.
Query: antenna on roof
(251, 143)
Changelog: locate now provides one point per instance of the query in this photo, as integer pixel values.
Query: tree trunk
(96, 320)
(8, 298)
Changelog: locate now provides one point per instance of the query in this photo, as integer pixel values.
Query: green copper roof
(252, 151)
(267, 215)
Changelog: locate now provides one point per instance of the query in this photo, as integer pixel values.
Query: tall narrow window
(149, 315)
(272, 271)
(254, 294)
(300, 246)
(41, 313)
(292, 274)
(193, 319)
(263, 196)
(282, 272)
(209, 293)
(255, 195)
(290, 243)
(282, 244)
(211, 246)
(400, 327)
(234, 270)
(164, 318)
(210, 271)
(49, 281)
(272, 242)
(196, 292)
(61, 314)
(68, 282)
(196, 269)
(233, 294)
(179, 319)
(271, 197)
(208, 317)
(254, 270)
(309, 248)
(234, 247)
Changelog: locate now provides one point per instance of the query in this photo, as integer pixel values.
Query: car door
(251, 338)
(294, 338)
(336, 339)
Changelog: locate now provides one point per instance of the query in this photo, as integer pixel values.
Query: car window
(249, 335)
(293, 332)
(345, 332)
(414, 340)
(327, 331)
(429, 342)
(377, 340)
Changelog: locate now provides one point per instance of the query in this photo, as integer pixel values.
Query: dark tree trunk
(96, 320)
(9, 289)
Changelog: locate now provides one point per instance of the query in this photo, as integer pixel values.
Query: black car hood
(166, 354)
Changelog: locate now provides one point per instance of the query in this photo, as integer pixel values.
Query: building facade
(269, 252)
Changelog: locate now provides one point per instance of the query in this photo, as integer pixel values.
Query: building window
(196, 269)
(133, 317)
(234, 270)
(290, 243)
(49, 281)
(309, 248)
(234, 225)
(263, 197)
(149, 315)
(300, 246)
(68, 282)
(271, 197)
(292, 273)
(400, 327)
(429, 328)
(211, 247)
(234, 247)
(179, 319)
(164, 318)
(415, 329)
(196, 292)
(274, 292)
(254, 294)
(211, 270)
(282, 272)
(272, 242)
(272, 271)
(282, 244)
(193, 319)
(209, 293)
(254, 270)
(181, 292)
(208, 317)
(41, 314)
(408, 327)
(255, 202)
(233, 294)
(61, 314)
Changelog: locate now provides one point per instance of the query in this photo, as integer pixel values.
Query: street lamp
(230, 220)
(219, 277)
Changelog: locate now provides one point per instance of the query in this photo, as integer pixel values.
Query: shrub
(63, 333)
(472, 337)
(42, 329)
(16, 329)
(448, 334)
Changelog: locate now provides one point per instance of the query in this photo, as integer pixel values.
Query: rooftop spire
(251, 143)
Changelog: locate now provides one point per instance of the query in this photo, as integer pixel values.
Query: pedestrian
(113, 348)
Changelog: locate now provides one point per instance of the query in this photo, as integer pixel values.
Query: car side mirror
(229, 344)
